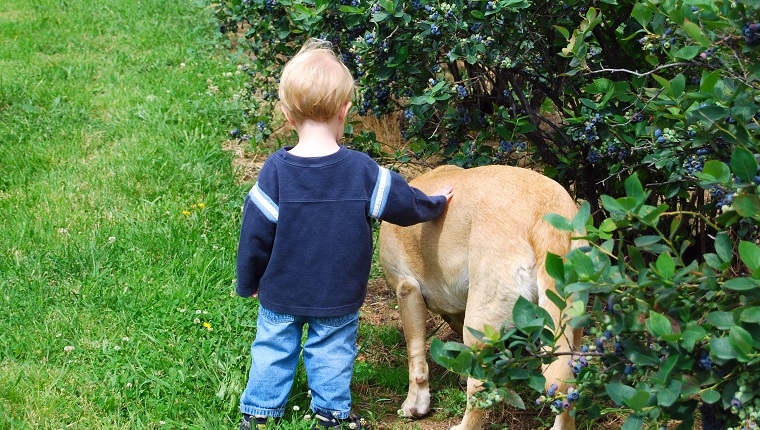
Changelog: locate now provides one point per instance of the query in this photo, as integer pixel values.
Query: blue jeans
(328, 355)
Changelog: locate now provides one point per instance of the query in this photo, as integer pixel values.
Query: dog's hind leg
(414, 313)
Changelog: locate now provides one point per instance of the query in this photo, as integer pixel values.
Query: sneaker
(250, 422)
(353, 422)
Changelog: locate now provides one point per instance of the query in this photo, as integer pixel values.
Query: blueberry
(553, 389)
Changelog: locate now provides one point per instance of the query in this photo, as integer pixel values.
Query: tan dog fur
(471, 264)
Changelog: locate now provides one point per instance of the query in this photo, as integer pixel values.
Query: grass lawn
(120, 218)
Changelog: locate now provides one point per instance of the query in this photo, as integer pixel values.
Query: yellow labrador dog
(471, 264)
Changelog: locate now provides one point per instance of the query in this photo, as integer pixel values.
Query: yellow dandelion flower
(186, 213)
(201, 205)
(206, 324)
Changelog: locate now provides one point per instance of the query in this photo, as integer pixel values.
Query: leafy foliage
(663, 93)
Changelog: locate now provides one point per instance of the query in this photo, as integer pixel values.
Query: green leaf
(750, 315)
(555, 267)
(537, 382)
(511, 398)
(688, 52)
(721, 349)
(643, 241)
(639, 400)
(691, 335)
(642, 14)
(720, 319)
(658, 324)
(743, 164)
(695, 33)
(665, 266)
(747, 205)
(559, 222)
(600, 86)
(710, 395)
(399, 57)
(740, 340)
(523, 313)
(589, 103)
(667, 396)
(742, 284)
(709, 114)
(556, 299)
(723, 246)
(619, 393)
(677, 85)
(634, 422)
(641, 355)
(749, 253)
(633, 188)
(563, 31)
(581, 218)
(716, 262)
(664, 82)
(715, 170)
(611, 204)
(583, 265)
(379, 17)
(608, 225)
(708, 81)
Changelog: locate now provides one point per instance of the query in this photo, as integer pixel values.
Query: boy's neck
(316, 139)
(314, 148)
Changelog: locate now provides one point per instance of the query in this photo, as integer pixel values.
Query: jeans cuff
(341, 415)
(263, 412)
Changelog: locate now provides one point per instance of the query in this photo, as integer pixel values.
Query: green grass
(120, 215)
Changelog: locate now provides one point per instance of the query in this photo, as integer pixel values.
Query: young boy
(306, 244)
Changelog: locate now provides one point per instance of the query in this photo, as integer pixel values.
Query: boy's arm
(405, 205)
(256, 239)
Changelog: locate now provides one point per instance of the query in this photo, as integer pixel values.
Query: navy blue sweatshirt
(306, 236)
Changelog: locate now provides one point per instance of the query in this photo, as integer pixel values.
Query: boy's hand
(446, 191)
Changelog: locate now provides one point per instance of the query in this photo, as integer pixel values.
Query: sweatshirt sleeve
(395, 201)
(256, 238)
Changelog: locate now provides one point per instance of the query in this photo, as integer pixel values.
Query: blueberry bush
(648, 111)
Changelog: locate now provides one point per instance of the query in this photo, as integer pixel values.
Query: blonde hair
(315, 83)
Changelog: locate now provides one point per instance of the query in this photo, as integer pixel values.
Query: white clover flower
(129, 385)
(352, 426)
(296, 408)
(197, 321)
(125, 339)
(63, 232)
(68, 348)
(112, 239)
(181, 64)
(57, 335)
(307, 417)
